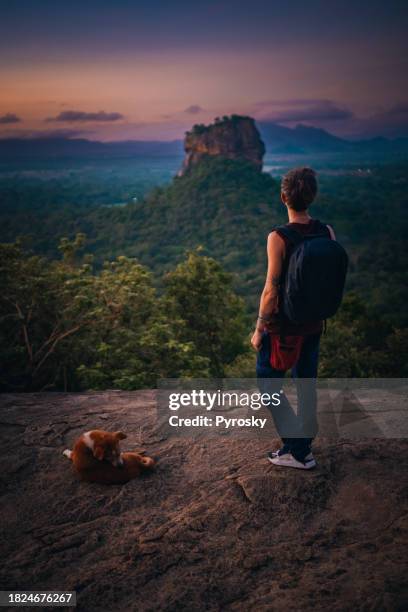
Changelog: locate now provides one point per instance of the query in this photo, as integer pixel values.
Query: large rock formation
(233, 137)
(215, 527)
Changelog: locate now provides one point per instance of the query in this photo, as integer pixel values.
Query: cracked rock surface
(215, 527)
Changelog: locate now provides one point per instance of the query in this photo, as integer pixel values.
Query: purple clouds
(194, 109)
(71, 116)
(295, 110)
(9, 118)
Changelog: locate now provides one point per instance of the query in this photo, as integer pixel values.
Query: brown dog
(97, 458)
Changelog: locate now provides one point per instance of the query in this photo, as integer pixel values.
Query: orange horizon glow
(155, 88)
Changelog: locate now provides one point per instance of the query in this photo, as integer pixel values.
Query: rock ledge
(214, 528)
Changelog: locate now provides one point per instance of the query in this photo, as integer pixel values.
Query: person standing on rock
(304, 286)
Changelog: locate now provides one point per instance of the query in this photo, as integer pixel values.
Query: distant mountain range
(278, 139)
(306, 139)
(19, 148)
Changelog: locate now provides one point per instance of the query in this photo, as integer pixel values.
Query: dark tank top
(282, 325)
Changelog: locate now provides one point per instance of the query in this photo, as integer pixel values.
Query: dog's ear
(120, 435)
(99, 452)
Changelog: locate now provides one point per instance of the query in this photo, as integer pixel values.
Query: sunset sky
(121, 69)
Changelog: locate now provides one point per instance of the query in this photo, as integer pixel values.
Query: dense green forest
(126, 304)
(63, 326)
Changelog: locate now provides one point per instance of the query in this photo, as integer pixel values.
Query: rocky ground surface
(215, 527)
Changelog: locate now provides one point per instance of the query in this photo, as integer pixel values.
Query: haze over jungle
(279, 140)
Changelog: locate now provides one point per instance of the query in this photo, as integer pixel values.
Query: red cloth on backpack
(285, 351)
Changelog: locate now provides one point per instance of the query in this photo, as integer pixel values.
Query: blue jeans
(296, 430)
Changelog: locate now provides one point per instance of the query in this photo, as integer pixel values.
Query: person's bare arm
(268, 306)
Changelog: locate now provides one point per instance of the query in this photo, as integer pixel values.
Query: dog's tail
(67, 453)
(148, 463)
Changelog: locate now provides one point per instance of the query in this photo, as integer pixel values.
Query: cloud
(294, 110)
(73, 115)
(399, 111)
(194, 109)
(9, 118)
(391, 122)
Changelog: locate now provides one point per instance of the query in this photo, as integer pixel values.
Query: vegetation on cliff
(201, 128)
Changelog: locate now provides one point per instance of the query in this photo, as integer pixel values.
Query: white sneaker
(272, 454)
(288, 460)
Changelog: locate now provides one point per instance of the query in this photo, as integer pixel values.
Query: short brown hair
(299, 187)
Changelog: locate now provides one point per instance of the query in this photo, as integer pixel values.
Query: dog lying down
(97, 458)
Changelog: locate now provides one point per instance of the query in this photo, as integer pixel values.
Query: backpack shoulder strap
(290, 233)
(322, 229)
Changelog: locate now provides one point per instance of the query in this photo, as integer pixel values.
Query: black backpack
(314, 275)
